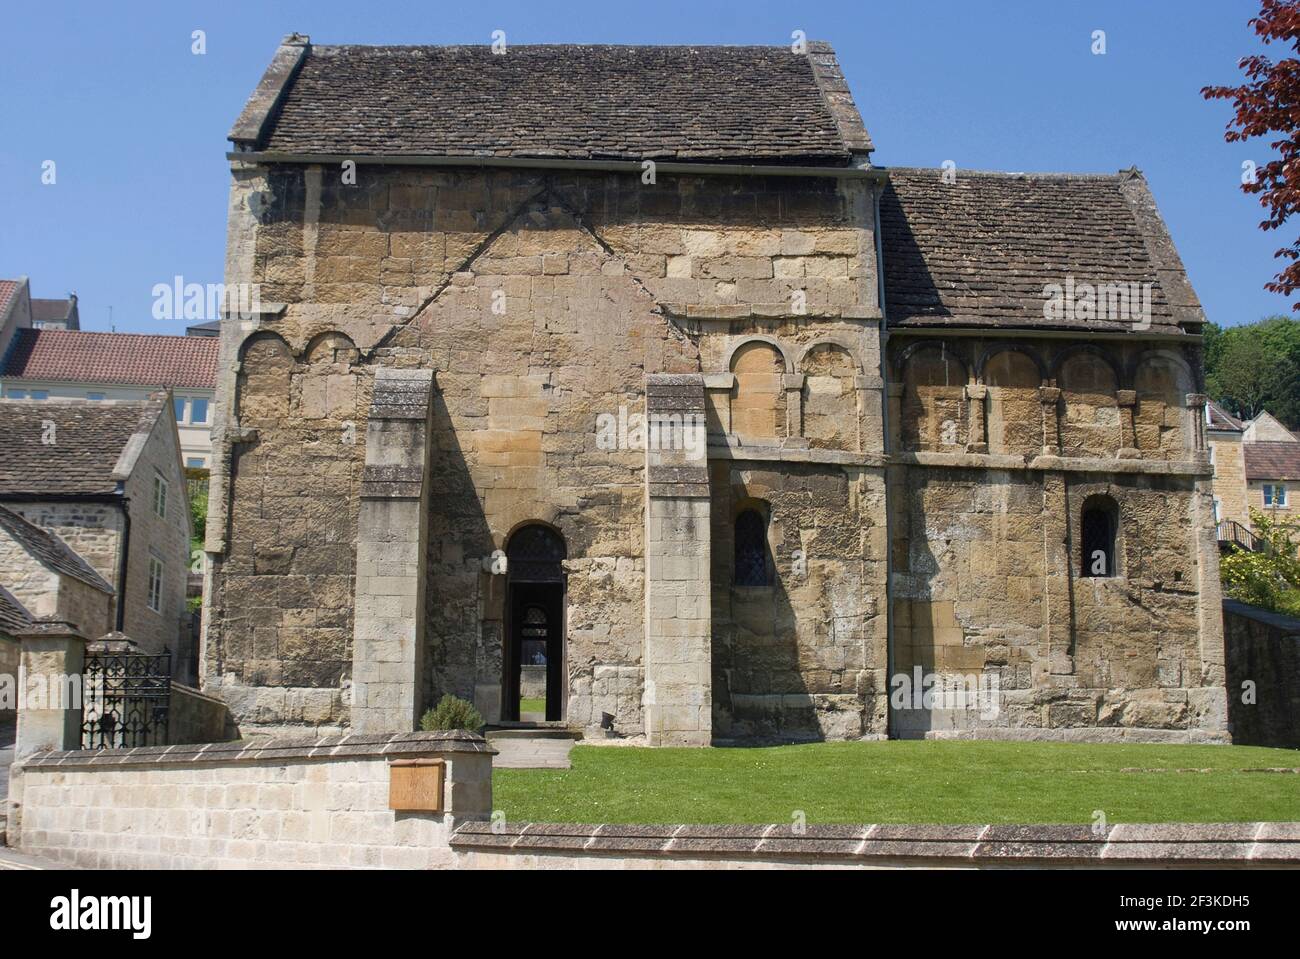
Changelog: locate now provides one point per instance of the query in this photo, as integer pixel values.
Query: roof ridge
(168, 336)
(1117, 176)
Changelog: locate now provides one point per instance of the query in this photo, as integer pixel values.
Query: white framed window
(191, 410)
(196, 462)
(155, 584)
(159, 495)
(95, 396)
(16, 394)
(1274, 495)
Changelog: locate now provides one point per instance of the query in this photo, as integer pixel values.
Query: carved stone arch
(1074, 350)
(1136, 363)
(759, 338)
(981, 364)
(263, 386)
(829, 396)
(1013, 379)
(329, 346)
(828, 342)
(934, 413)
(1090, 419)
(1162, 427)
(905, 355)
(327, 380)
(758, 399)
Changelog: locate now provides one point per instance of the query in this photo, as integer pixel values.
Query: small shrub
(451, 713)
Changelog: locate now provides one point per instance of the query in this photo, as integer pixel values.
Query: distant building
(1223, 435)
(211, 328)
(42, 364)
(1266, 428)
(56, 314)
(15, 310)
(1273, 477)
(105, 479)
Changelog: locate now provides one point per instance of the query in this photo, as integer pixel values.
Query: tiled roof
(1221, 419)
(47, 446)
(979, 251)
(49, 550)
(1272, 460)
(7, 290)
(127, 358)
(686, 103)
(14, 617)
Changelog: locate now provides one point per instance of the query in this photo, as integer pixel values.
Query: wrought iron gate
(126, 696)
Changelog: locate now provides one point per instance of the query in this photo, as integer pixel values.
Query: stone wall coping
(405, 745)
(1286, 624)
(1256, 843)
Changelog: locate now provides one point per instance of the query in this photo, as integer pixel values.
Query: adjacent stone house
(105, 478)
(14, 619)
(1224, 435)
(1273, 477)
(951, 425)
(43, 575)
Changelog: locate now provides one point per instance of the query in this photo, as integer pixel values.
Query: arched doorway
(534, 653)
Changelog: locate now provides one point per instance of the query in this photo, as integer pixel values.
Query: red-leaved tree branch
(1268, 103)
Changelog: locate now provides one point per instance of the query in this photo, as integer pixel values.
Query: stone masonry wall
(91, 530)
(1263, 653)
(540, 301)
(989, 580)
(164, 538)
(803, 658)
(45, 592)
(1230, 487)
(314, 804)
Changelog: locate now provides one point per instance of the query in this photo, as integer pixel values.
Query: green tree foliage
(1269, 578)
(1255, 367)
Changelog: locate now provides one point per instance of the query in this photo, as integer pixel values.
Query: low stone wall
(1140, 845)
(1263, 649)
(194, 717)
(313, 803)
(532, 682)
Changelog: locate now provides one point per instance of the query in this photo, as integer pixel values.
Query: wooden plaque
(415, 785)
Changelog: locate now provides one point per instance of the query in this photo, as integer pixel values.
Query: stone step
(539, 749)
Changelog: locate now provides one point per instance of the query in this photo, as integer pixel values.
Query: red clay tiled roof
(7, 290)
(1272, 460)
(129, 358)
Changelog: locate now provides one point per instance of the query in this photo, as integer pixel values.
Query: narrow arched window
(751, 549)
(1098, 528)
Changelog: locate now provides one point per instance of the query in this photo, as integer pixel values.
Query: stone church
(616, 387)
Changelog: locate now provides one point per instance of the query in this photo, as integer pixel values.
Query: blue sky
(136, 123)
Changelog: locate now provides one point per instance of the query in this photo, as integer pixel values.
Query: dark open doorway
(534, 673)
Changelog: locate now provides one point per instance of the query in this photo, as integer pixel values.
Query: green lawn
(908, 782)
(532, 705)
